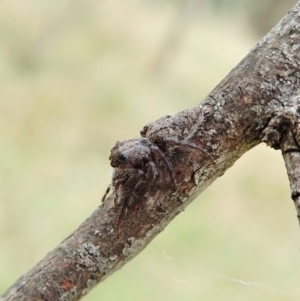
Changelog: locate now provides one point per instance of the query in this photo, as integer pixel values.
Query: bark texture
(257, 101)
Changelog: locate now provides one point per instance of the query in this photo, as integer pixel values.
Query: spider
(135, 168)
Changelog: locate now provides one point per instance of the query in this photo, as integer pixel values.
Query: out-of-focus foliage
(76, 76)
(267, 13)
(261, 15)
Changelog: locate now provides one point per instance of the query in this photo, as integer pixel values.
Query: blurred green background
(76, 76)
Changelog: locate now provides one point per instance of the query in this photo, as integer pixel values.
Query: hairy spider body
(135, 168)
(138, 162)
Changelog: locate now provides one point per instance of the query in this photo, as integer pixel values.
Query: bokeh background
(78, 75)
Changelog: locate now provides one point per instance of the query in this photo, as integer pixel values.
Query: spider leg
(106, 193)
(118, 184)
(128, 185)
(151, 174)
(123, 208)
(175, 142)
(156, 150)
(151, 171)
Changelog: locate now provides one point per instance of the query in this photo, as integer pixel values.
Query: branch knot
(284, 123)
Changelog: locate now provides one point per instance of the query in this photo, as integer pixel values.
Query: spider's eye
(122, 157)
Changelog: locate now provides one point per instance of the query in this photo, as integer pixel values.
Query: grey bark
(258, 101)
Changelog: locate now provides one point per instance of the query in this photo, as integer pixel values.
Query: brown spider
(134, 163)
(135, 168)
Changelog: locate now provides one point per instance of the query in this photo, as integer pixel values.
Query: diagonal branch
(229, 122)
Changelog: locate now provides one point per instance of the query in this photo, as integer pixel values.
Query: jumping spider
(135, 163)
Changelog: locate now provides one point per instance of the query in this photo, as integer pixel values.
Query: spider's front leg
(135, 164)
(155, 150)
(184, 143)
(126, 183)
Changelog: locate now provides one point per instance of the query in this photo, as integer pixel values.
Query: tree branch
(236, 116)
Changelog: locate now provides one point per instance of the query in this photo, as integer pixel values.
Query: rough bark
(257, 101)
